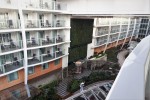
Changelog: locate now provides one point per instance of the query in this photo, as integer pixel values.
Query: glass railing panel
(60, 6)
(9, 24)
(47, 41)
(48, 56)
(10, 66)
(33, 42)
(34, 59)
(10, 46)
(59, 53)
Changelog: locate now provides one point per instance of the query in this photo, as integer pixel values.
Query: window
(12, 76)
(45, 66)
(57, 61)
(30, 70)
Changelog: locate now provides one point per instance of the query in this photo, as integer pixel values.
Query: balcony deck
(46, 58)
(12, 67)
(33, 61)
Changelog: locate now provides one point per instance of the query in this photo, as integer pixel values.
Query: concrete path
(121, 56)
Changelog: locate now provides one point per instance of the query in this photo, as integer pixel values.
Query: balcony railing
(113, 39)
(10, 66)
(122, 36)
(9, 24)
(31, 23)
(33, 42)
(48, 5)
(101, 42)
(60, 6)
(99, 33)
(44, 41)
(10, 46)
(45, 57)
(114, 30)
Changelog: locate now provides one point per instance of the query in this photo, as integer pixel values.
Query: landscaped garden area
(106, 68)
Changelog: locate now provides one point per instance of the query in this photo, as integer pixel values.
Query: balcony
(45, 57)
(44, 41)
(60, 6)
(9, 24)
(46, 5)
(101, 42)
(99, 33)
(114, 30)
(44, 24)
(10, 46)
(10, 66)
(48, 56)
(34, 59)
(33, 42)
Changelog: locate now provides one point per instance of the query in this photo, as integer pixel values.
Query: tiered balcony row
(34, 4)
(43, 24)
(35, 59)
(44, 41)
(48, 5)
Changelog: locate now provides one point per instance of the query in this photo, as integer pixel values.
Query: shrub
(74, 85)
(48, 92)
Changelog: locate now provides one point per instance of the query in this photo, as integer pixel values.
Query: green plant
(48, 92)
(74, 85)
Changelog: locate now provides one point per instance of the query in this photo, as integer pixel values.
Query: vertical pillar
(133, 30)
(24, 42)
(126, 34)
(119, 32)
(108, 35)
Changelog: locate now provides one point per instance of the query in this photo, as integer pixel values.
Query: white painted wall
(108, 6)
(90, 52)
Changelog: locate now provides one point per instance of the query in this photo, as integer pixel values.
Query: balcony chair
(10, 24)
(30, 24)
(34, 57)
(48, 54)
(15, 61)
(48, 39)
(58, 23)
(59, 39)
(33, 41)
(58, 7)
(48, 24)
(12, 44)
(59, 53)
(3, 47)
(46, 5)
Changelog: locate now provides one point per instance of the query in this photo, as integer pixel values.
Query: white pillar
(108, 35)
(133, 30)
(24, 42)
(119, 32)
(126, 33)
(147, 28)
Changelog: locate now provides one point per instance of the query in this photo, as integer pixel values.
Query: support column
(108, 35)
(119, 32)
(126, 34)
(147, 28)
(133, 30)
